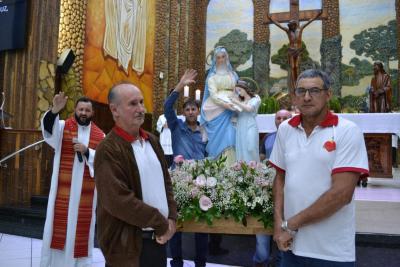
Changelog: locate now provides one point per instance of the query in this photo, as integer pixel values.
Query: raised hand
(189, 77)
(59, 102)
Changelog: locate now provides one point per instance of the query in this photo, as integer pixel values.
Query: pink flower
(237, 166)
(205, 203)
(201, 180)
(253, 164)
(179, 159)
(194, 192)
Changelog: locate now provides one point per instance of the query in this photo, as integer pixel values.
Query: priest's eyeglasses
(314, 91)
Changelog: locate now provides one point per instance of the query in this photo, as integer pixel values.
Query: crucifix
(294, 32)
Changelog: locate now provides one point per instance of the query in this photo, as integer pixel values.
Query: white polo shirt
(308, 168)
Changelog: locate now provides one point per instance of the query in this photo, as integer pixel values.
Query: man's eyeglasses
(315, 91)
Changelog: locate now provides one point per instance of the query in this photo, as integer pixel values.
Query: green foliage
(334, 104)
(353, 104)
(363, 67)
(281, 58)
(269, 105)
(246, 73)
(379, 43)
(238, 46)
(351, 74)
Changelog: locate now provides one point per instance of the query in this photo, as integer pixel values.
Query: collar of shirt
(329, 121)
(129, 138)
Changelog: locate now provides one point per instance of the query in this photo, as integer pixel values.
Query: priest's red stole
(64, 188)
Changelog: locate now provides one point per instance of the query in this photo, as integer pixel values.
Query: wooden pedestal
(225, 226)
(379, 148)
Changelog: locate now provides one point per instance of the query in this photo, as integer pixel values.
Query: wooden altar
(379, 148)
(225, 226)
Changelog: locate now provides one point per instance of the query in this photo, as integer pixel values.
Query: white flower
(211, 182)
(201, 181)
(205, 203)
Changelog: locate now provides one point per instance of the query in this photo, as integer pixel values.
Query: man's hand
(189, 77)
(283, 239)
(59, 102)
(168, 235)
(81, 148)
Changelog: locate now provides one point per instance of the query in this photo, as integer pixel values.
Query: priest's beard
(83, 120)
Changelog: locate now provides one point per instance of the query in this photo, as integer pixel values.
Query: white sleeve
(53, 139)
(351, 153)
(90, 161)
(160, 123)
(277, 158)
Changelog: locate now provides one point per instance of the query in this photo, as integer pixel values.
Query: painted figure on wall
(381, 90)
(125, 33)
(119, 46)
(294, 32)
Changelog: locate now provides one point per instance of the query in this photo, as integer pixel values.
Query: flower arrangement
(208, 189)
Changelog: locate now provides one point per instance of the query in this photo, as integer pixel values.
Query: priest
(69, 229)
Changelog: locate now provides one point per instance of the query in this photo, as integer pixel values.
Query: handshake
(169, 234)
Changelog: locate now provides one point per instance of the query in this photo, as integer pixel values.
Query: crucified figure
(294, 32)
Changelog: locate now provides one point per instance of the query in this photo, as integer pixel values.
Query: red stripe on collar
(127, 137)
(329, 121)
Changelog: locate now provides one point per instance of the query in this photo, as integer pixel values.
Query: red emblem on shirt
(330, 145)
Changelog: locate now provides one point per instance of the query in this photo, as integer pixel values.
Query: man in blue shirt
(269, 139)
(189, 140)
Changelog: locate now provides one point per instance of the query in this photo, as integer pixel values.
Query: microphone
(79, 156)
(75, 141)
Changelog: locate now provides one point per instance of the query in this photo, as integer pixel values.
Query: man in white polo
(319, 159)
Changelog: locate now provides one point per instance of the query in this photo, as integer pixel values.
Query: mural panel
(119, 47)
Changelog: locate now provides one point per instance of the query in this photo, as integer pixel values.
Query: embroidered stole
(64, 189)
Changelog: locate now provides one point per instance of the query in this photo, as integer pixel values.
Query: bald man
(269, 139)
(136, 211)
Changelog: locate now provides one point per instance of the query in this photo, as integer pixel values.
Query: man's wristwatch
(285, 228)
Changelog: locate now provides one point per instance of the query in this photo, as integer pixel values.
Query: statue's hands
(189, 77)
(59, 102)
(381, 91)
(234, 100)
(228, 106)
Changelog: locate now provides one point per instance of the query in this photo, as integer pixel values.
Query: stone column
(161, 57)
(331, 44)
(197, 41)
(261, 45)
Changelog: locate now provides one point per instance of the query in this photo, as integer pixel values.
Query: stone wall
(72, 35)
(331, 44)
(180, 44)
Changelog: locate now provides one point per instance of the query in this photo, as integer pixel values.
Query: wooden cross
(295, 14)
(294, 32)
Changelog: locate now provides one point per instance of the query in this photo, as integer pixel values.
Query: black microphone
(75, 141)
(79, 156)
